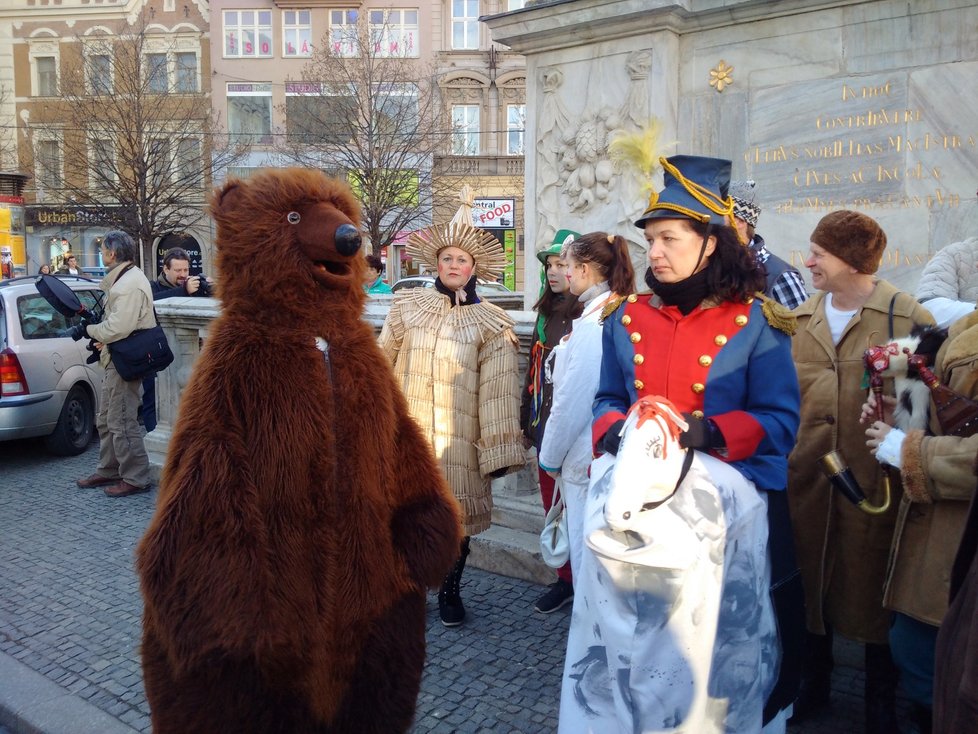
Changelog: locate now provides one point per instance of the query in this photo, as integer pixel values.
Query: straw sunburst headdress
(486, 250)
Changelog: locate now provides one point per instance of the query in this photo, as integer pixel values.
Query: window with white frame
(247, 33)
(186, 73)
(159, 162)
(101, 161)
(296, 33)
(343, 33)
(99, 68)
(46, 70)
(515, 127)
(394, 32)
(465, 129)
(48, 164)
(187, 163)
(156, 73)
(250, 112)
(396, 110)
(465, 24)
(315, 115)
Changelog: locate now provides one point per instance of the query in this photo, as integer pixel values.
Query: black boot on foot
(450, 606)
(881, 682)
(816, 678)
(558, 594)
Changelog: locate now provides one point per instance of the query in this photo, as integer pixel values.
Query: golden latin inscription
(856, 151)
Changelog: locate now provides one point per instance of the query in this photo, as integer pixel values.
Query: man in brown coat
(842, 551)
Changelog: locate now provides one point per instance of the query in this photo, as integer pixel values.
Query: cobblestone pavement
(70, 610)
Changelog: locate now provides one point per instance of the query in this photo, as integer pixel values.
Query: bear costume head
(281, 230)
(301, 511)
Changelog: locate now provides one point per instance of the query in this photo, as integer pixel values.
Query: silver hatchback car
(47, 388)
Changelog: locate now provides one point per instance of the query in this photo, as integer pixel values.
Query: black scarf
(684, 295)
(470, 294)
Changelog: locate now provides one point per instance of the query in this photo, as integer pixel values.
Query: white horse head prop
(650, 461)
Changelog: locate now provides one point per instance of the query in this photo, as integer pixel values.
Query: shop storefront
(55, 232)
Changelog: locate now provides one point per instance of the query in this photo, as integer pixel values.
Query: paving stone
(71, 607)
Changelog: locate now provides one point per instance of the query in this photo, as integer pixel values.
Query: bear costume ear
(227, 197)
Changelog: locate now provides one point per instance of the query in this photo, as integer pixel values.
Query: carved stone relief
(575, 175)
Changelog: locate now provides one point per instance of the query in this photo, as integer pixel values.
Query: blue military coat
(725, 361)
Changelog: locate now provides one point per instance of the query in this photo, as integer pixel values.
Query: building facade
(273, 91)
(70, 72)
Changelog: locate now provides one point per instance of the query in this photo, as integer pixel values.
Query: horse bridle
(687, 463)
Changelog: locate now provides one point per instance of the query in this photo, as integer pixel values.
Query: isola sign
(494, 213)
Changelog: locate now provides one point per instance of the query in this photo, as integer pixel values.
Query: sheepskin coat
(951, 273)
(301, 512)
(842, 551)
(458, 368)
(939, 482)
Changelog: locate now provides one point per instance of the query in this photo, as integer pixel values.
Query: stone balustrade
(186, 321)
(510, 547)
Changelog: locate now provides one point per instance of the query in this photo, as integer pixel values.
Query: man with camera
(123, 466)
(175, 278)
(174, 281)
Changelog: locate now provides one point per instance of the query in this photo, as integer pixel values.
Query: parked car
(46, 386)
(483, 287)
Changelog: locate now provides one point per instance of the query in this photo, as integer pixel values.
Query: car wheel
(74, 430)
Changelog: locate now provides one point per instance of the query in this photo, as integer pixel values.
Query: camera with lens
(206, 289)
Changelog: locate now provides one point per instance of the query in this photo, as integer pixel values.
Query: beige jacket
(842, 551)
(459, 371)
(939, 481)
(128, 307)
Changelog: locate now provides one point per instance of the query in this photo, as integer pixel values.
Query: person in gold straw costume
(456, 359)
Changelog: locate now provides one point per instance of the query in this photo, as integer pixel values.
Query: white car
(47, 386)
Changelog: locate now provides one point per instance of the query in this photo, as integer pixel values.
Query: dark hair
(374, 261)
(549, 302)
(175, 253)
(120, 244)
(610, 254)
(69, 256)
(732, 273)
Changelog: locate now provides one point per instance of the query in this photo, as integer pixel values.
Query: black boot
(449, 597)
(922, 717)
(881, 682)
(816, 677)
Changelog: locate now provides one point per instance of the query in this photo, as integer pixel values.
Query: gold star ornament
(721, 76)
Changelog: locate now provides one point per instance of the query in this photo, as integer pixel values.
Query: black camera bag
(142, 353)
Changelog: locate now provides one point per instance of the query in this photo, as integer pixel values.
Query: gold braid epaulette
(778, 316)
(610, 307)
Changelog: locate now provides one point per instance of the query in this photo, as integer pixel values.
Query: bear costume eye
(293, 217)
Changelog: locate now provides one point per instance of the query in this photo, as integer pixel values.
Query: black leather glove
(702, 434)
(611, 441)
(77, 332)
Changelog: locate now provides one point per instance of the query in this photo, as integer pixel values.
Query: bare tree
(365, 109)
(135, 132)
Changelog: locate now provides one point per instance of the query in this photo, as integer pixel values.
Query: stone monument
(826, 105)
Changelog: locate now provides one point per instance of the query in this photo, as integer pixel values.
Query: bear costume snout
(329, 239)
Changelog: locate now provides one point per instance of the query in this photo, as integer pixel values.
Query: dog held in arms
(912, 410)
(301, 513)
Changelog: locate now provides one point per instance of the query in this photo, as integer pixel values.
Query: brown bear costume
(301, 511)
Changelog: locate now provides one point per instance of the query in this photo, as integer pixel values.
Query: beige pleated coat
(459, 371)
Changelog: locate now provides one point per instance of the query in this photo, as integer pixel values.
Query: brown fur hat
(854, 238)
